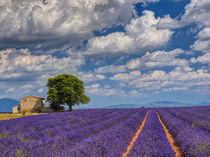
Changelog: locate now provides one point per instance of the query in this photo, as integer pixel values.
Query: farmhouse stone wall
(31, 104)
(16, 109)
(47, 110)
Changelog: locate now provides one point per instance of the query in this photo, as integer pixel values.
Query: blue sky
(126, 51)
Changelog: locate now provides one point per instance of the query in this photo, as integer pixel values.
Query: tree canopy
(66, 89)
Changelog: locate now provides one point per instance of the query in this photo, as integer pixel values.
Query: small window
(25, 100)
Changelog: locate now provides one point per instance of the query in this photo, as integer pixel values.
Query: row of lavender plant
(152, 141)
(111, 142)
(56, 119)
(198, 111)
(192, 115)
(66, 121)
(193, 141)
(44, 128)
(201, 111)
(44, 134)
(22, 128)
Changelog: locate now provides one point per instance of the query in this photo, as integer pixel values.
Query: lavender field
(109, 133)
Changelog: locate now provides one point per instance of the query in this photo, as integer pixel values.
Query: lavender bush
(196, 116)
(58, 133)
(106, 133)
(193, 141)
(152, 141)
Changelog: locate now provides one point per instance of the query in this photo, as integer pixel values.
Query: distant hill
(158, 104)
(203, 103)
(177, 104)
(6, 104)
(168, 104)
(123, 106)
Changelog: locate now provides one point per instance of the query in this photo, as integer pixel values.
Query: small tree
(67, 90)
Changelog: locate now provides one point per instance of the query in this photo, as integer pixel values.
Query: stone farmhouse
(32, 104)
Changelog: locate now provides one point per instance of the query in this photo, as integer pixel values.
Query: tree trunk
(70, 107)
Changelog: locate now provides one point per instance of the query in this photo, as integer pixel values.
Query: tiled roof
(34, 96)
(16, 105)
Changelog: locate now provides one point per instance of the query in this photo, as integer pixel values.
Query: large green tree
(66, 89)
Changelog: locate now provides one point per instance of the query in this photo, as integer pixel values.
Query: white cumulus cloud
(55, 23)
(198, 12)
(203, 40)
(202, 59)
(140, 34)
(126, 76)
(156, 59)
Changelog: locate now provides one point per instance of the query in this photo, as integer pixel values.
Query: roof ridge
(34, 96)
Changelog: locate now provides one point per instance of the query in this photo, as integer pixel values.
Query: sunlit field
(4, 116)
